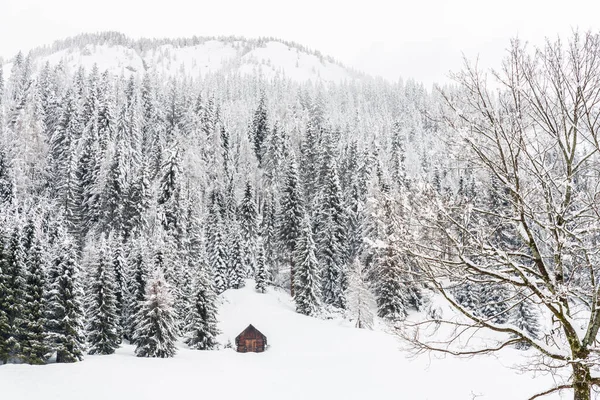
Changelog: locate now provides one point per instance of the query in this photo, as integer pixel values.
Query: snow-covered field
(307, 358)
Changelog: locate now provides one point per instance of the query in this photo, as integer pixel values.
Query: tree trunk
(582, 386)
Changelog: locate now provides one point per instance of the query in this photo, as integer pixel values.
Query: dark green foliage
(201, 320)
(102, 306)
(155, 333)
(261, 277)
(35, 347)
(6, 184)
(307, 279)
(64, 316)
(259, 129)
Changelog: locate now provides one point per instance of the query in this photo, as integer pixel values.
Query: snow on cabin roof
(250, 328)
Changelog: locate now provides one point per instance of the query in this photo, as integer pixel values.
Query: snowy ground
(307, 358)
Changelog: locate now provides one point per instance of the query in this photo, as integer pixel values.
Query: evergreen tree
(201, 321)
(155, 333)
(4, 290)
(115, 189)
(270, 238)
(261, 277)
(526, 318)
(215, 248)
(307, 276)
(15, 289)
(259, 130)
(6, 183)
(290, 217)
(136, 285)
(169, 198)
(493, 303)
(249, 227)
(35, 341)
(65, 310)
(102, 306)
(119, 274)
(391, 298)
(331, 228)
(237, 270)
(361, 301)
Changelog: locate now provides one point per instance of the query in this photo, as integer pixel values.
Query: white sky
(421, 39)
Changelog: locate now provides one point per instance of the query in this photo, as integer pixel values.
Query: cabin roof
(250, 328)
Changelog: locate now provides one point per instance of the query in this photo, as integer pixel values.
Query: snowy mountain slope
(306, 358)
(266, 58)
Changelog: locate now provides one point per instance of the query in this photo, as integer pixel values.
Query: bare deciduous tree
(537, 134)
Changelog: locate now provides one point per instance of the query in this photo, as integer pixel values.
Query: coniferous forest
(129, 202)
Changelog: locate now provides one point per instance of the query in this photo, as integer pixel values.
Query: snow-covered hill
(194, 57)
(307, 358)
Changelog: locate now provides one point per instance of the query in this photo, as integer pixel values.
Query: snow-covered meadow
(307, 358)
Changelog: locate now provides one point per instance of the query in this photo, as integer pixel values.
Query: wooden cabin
(251, 340)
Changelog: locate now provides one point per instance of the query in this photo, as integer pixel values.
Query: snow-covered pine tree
(15, 286)
(64, 316)
(5, 329)
(6, 183)
(248, 217)
(467, 294)
(169, 197)
(391, 299)
(155, 333)
(259, 129)
(237, 270)
(526, 317)
(307, 277)
(331, 236)
(215, 248)
(291, 213)
(361, 302)
(493, 304)
(270, 239)
(137, 277)
(119, 274)
(261, 276)
(201, 321)
(101, 300)
(35, 341)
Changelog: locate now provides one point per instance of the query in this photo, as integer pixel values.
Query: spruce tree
(361, 302)
(137, 278)
(259, 130)
(525, 316)
(201, 321)
(237, 269)
(119, 274)
(331, 236)
(493, 304)
(391, 299)
(261, 276)
(291, 214)
(307, 277)
(6, 183)
(215, 248)
(5, 329)
(155, 333)
(102, 306)
(15, 281)
(64, 316)
(35, 341)
(249, 226)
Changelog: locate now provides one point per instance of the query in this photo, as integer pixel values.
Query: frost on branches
(155, 334)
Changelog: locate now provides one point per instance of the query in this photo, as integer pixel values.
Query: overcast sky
(422, 39)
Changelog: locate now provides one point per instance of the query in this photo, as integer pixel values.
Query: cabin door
(251, 345)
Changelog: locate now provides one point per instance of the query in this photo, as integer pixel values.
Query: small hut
(251, 340)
